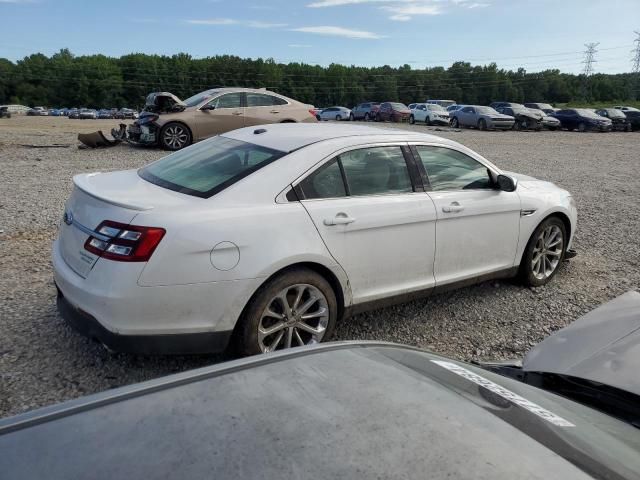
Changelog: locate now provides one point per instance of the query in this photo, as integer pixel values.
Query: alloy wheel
(298, 315)
(175, 137)
(547, 252)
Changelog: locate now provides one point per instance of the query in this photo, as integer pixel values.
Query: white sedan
(270, 235)
(335, 113)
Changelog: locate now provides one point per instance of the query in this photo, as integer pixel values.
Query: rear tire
(175, 136)
(582, 127)
(366, 117)
(266, 312)
(412, 120)
(544, 253)
(351, 117)
(377, 117)
(338, 118)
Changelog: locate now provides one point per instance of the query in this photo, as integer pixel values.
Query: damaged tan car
(173, 124)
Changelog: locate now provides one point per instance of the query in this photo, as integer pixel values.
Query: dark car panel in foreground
(346, 410)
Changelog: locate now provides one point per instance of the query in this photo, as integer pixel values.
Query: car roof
(334, 411)
(287, 137)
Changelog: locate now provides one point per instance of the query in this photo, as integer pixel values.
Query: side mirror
(507, 183)
(208, 107)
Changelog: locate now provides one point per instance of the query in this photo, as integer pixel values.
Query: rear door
(478, 225)
(376, 222)
(264, 108)
(227, 115)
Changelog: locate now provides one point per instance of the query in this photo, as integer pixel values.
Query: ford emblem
(67, 218)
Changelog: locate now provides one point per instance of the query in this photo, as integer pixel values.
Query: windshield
(198, 98)
(585, 112)
(436, 108)
(209, 167)
(487, 110)
(613, 113)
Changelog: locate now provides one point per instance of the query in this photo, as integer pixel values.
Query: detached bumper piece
(169, 344)
(97, 140)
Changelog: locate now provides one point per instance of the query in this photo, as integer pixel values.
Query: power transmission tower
(589, 60)
(635, 64)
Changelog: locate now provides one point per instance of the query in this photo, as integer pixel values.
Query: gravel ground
(42, 361)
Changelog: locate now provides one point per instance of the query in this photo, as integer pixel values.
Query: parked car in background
(365, 111)
(87, 114)
(105, 114)
(271, 232)
(496, 105)
(545, 107)
(173, 124)
(442, 103)
(4, 112)
(525, 118)
(126, 114)
(393, 112)
(38, 112)
(429, 113)
(482, 118)
(582, 119)
(74, 113)
(335, 113)
(626, 109)
(619, 120)
(453, 108)
(634, 119)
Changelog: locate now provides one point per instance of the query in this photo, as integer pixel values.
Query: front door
(478, 225)
(376, 227)
(220, 115)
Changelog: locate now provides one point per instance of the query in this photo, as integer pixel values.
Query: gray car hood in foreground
(337, 411)
(602, 346)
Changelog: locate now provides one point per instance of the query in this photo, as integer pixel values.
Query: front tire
(582, 127)
(351, 117)
(544, 253)
(175, 136)
(366, 117)
(338, 118)
(412, 119)
(455, 123)
(482, 124)
(297, 307)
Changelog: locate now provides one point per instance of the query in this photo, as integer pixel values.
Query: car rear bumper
(111, 306)
(508, 125)
(168, 344)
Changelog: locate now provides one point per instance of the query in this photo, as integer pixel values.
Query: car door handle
(236, 113)
(275, 111)
(339, 219)
(454, 207)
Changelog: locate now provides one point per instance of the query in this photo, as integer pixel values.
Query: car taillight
(312, 112)
(124, 243)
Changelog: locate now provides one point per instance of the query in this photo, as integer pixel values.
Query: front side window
(467, 110)
(229, 100)
(452, 170)
(208, 167)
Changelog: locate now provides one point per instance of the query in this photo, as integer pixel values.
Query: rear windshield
(208, 167)
(398, 106)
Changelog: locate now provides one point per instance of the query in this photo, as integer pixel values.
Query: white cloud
(338, 32)
(404, 13)
(403, 10)
(231, 21)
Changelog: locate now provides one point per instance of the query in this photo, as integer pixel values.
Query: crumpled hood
(602, 346)
(163, 102)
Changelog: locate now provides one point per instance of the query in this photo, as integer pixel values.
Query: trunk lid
(116, 196)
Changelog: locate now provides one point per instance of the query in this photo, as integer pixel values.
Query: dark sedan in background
(525, 118)
(393, 111)
(634, 119)
(619, 120)
(359, 411)
(583, 120)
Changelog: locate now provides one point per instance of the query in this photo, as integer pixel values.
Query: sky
(533, 34)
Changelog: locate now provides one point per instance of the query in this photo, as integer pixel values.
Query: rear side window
(452, 170)
(367, 171)
(263, 100)
(325, 182)
(208, 167)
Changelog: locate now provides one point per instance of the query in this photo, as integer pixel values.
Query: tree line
(98, 81)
